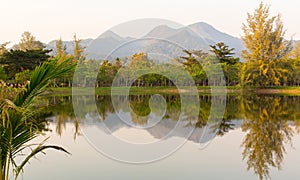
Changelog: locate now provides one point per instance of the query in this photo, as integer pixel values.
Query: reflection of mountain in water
(163, 128)
(269, 123)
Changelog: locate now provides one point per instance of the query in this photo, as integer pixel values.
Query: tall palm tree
(18, 122)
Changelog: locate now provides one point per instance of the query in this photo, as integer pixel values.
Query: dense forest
(268, 60)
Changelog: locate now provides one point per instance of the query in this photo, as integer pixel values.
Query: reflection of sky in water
(221, 159)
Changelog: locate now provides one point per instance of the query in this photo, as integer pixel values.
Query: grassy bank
(234, 90)
(289, 91)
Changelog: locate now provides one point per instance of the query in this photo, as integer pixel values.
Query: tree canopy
(266, 48)
(16, 61)
(29, 42)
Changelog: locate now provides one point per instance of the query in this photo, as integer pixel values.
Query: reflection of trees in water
(297, 125)
(294, 114)
(231, 113)
(61, 108)
(266, 121)
(140, 105)
(104, 106)
(141, 109)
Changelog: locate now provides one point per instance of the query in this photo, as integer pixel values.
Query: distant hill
(195, 36)
(211, 34)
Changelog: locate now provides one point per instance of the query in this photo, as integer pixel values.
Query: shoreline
(231, 90)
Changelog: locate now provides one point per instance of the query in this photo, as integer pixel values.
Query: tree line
(268, 60)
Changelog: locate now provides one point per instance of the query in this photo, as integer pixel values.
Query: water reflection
(269, 122)
(60, 110)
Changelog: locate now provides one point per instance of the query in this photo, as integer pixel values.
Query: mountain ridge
(194, 36)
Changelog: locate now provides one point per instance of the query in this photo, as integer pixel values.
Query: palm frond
(34, 152)
(17, 118)
(40, 79)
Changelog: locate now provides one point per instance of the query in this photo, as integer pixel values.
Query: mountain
(104, 44)
(109, 34)
(162, 40)
(196, 36)
(162, 31)
(189, 39)
(208, 32)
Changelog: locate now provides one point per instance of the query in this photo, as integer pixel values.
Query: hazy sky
(48, 20)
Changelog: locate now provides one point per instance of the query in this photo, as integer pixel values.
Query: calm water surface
(257, 138)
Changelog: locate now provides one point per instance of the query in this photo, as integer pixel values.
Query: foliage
(268, 130)
(3, 75)
(60, 49)
(28, 42)
(7, 92)
(266, 47)
(3, 48)
(294, 61)
(18, 123)
(224, 54)
(22, 77)
(267, 61)
(16, 61)
(230, 64)
(295, 52)
(78, 49)
(193, 66)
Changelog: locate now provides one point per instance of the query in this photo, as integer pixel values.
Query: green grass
(117, 90)
(284, 87)
(203, 90)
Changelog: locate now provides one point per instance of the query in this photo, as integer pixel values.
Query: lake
(257, 136)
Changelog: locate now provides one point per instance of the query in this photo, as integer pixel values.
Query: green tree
(224, 54)
(16, 61)
(106, 73)
(296, 72)
(265, 44)
(117, 64)
(230, 64)
(22, 77)
(3, 49)
(91, 69)
(139, 64)
(60, 53)
(193, 66)
(3, 75)
(294, 60)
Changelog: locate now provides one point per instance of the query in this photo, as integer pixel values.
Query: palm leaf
(17, 124)
(34, 152)
(40, 79)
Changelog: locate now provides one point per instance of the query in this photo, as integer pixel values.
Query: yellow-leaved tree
(266, 49)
